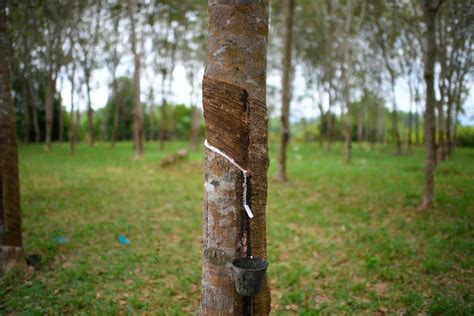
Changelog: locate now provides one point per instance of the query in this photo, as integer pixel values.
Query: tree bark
(285, 90)
(11, 245)
(430, 10)
(236, 122)
(137, 107)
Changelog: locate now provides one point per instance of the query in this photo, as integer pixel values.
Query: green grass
(341, 239)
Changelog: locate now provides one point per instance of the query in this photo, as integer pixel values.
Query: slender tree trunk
(50, 90)
(330, 122)
(455, 130)
(441, 131)
(346, 69)
(360, 125)
(78, 125)
(72, 132)
(117, 104)
(449, 122)
(34, 105)
(152, 123)
(322, 123)
(410, 128)
(11, 245)
(90, 111)
(417, 125)
(285, 89)
(431, 8)
(347, 119)
(395, 132)
(236, 123)
(61, 124)
(26, 112)
(137, 107)
(161, 129)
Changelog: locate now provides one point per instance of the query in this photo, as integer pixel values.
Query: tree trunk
(11, 246)
(162, 122)
(34, 105)
(61, 124)
(330, 122)
(441, 131)
(117, 104)
(285, 90)
(410, 123)
(152, 123)
(137, 107)
(72, 131)
(395, 131)
(322, 123)
(236, 123)
(417, 125)
(90, 111)
(26, 111)
(50, 89)
(431, 8)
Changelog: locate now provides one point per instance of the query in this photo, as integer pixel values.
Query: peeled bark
(236, 122)
(431, 8)
(11, 246)
(285, 90)
(137, 107)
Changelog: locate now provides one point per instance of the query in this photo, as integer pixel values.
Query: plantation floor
(342, 239)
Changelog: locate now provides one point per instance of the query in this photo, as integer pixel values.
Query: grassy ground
(341, 239)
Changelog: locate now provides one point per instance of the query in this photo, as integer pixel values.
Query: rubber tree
(11, 248)
(285, 89)
(430, 9)
(235, 112)
(137, 106)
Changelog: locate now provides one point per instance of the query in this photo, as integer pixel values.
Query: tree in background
(431, 8)
(286, 89)
(234, 92)
(11, 245)
(137, 106)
